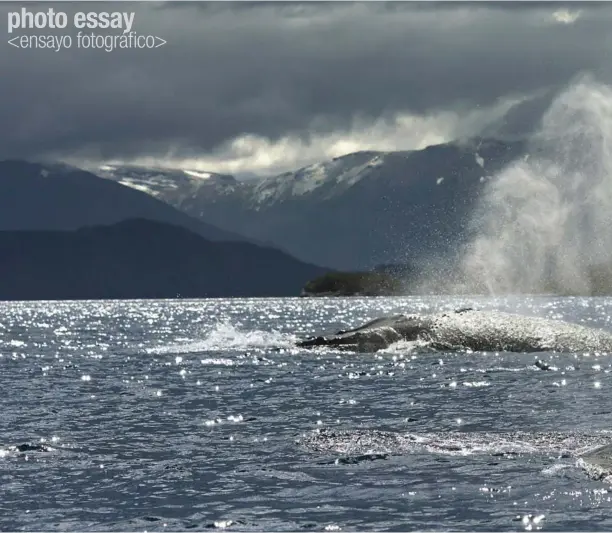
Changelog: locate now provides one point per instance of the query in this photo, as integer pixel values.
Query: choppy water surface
(172, 415)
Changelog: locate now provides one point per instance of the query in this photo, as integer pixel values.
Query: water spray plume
(545, 221)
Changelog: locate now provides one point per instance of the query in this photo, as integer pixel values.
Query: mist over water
(545, 222)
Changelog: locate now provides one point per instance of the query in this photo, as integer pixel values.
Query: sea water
(192, 414)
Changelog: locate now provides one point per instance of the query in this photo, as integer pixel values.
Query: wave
(225, 337)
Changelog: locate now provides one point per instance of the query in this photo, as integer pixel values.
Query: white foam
(403, 347)
(554, 469)
(225, 337)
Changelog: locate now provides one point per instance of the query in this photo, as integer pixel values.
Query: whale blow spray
(545, 221)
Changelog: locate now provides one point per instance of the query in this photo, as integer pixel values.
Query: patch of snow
(340, 173)
(44, 173)
(479, 160)
(439, 181)
(137, 186)
(196, 174)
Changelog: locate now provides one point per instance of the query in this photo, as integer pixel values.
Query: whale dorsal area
(469, 329)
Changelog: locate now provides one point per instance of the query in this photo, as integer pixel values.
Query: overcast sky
(267, 87)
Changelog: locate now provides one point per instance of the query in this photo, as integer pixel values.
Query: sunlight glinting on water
(175, 414)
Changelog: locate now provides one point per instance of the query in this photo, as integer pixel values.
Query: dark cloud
(277, 69)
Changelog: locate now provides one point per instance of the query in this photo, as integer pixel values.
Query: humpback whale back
(500, 331)
(376, 334)
(470, 329)
(591, 452)
(601, 457)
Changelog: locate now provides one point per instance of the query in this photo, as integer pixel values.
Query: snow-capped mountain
(165, 183)
(323, 180)
(354, 211)
(365, 208)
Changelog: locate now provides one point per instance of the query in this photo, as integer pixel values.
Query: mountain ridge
(358, 210)
(40, 196)
(142, 259)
